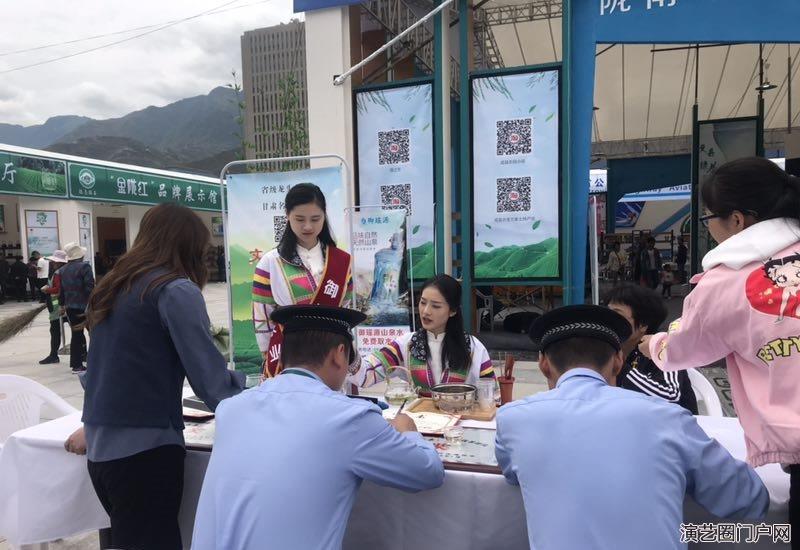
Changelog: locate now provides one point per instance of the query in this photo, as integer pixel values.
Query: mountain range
(196, 134)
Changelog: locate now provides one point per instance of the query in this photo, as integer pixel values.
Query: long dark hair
(171, 238)
(303, 193)
(455, 352)
(754, 186)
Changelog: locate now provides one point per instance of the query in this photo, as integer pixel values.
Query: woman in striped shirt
(439, 352)
(644, 309)
(305, 268)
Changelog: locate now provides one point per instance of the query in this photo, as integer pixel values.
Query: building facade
(49, 199)
(274, 76)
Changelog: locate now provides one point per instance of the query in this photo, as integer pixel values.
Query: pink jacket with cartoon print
(745, 308)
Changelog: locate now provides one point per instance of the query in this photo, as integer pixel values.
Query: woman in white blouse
(305, 268)
(439, 352)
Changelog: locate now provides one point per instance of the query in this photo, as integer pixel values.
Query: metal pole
(696, 72)
(694, 266)
(789, 89)
(339, 80)
(760, 72)
(223, 192)
(593, 250)
(443, 236)
(465, 172)
(760, 106)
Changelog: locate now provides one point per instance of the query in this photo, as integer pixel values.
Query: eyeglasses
(708, 217)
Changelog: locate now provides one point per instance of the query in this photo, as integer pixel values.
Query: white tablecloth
(45, 493)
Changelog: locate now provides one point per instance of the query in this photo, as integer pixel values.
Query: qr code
(393, 147)
(514, 136)
(396, 196)
(278, 226)
(514, 194)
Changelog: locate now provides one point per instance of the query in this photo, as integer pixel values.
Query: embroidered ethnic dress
(408, 351)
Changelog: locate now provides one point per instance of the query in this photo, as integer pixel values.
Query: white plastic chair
(705, 393)
(21, 402)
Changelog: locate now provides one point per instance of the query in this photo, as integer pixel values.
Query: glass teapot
(399, 390)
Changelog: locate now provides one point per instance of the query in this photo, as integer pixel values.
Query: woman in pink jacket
(745, 308)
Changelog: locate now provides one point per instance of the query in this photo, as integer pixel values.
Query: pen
(401, 406)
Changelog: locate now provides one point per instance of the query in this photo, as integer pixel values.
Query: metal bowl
(454, 398)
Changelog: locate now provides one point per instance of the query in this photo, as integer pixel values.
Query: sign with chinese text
(688, 21)
(598, 181)
(29, 175)
(515, 176)
(380, 279)
(395, 162)
(371, 338)
(98, 183)
(41, 231)
(256, 220)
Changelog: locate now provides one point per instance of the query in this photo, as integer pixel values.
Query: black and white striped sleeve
(663, 384)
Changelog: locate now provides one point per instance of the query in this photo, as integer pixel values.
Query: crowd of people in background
(23, 281)
(643, 263)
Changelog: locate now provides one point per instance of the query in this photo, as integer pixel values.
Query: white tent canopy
(647, 91)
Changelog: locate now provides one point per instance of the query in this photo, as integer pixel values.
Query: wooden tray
(425, 404)
(196, 415)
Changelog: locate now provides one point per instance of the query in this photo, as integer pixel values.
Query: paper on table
(433, 423)
(200, 434)
(480, 424)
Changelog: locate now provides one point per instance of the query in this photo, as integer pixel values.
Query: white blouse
(435, 356)
(313, 260)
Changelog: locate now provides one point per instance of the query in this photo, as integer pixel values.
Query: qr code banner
(514, 194)
(396, 196)
(393, 147)
(278, 227)
(514, 136)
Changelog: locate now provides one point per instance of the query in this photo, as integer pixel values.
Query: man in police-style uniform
(290, 454)
(605, 468)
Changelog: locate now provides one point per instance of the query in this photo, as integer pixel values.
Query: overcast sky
(184, 60)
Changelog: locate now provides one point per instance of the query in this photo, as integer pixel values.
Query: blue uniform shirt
(606, 468)
(288, 459)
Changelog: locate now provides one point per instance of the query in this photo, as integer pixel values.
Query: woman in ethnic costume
(439, 352)
(305, 268)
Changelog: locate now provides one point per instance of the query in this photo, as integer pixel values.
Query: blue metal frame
(465, 162)
(439, 130)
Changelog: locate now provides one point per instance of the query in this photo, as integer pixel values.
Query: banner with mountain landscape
(395, 163)
(515, 171)
(255, 222)
(380, 277)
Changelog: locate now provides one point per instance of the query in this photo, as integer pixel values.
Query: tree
(293, 130)
(241, 107)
